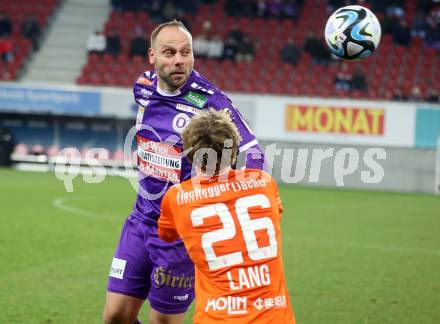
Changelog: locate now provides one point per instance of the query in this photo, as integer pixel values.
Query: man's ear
(151, 55)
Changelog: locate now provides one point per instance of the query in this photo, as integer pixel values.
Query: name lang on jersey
(184, 197)
(159, 160)
(250, 277)
(196, 99)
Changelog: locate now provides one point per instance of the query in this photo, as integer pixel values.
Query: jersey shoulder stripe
(201, 84)
(147, 78)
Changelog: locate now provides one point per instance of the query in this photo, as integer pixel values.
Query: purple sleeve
(255, 158)
(248, 142)
(137, 92)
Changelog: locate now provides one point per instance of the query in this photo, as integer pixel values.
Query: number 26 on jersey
(248, 227)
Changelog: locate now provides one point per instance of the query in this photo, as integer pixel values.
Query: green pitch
(350, 256)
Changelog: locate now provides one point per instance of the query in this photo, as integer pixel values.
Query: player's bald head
(158, 32)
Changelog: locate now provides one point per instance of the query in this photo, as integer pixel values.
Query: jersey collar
(167, 93)
(183, 89)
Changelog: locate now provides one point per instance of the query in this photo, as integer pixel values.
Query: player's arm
(248, 142)
(166, 227)
(275, 190)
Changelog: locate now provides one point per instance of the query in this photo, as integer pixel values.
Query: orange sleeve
(166, 228)
(277, 195)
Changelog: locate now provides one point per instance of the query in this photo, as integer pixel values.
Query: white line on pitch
(60, 203)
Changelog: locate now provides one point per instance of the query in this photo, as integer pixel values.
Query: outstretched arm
(166, 228)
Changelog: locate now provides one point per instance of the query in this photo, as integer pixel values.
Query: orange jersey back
(230, 226)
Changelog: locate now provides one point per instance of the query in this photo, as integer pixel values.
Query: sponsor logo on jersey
(117, 269)
(144, 102)
(180, 121)
(159, 160)
(181, 298)
(186, 108)
(270, 302)
(231, 304)
(144, 81)
(258, 304)
(146, 93)
(164, 277)
(196, 99)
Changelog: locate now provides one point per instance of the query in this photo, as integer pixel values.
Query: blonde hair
(211, 130)
(171, 23)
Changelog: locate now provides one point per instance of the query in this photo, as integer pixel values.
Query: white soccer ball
(352, 32)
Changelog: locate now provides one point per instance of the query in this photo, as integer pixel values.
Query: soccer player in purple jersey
(144, 266)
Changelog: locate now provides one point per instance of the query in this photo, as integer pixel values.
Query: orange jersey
(230, 226)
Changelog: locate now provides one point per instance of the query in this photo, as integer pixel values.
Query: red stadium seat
(81, 80)
(118, 155)
(93, 58)
(21, 149)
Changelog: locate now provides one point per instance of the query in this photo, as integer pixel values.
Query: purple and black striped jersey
(160, 120)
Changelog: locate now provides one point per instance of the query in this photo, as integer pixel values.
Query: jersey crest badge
(180, 121)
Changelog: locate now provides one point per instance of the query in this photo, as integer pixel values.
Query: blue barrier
(33, 99)
(427, 127)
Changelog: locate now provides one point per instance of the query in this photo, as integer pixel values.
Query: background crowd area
(263, 46)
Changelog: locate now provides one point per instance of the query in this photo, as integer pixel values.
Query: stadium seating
(17, 11)
(392, 67)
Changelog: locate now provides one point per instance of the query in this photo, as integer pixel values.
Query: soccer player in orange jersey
(229, 222)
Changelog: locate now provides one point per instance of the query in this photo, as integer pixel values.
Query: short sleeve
(166, 227)
(276, 193)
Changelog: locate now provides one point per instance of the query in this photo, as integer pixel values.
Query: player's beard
(175, 81)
